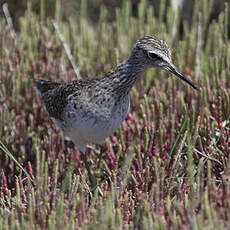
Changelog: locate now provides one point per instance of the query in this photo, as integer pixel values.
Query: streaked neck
(126, 74)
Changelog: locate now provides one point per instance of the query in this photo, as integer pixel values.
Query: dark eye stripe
(154, 56)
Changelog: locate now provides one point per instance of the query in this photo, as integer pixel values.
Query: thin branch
(8, 58)
(208, 157)
(67, 50)
(10, 22)
(198, 44)
(8, 153)
(177, 6)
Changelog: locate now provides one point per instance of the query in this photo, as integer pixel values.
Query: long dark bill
(174, 70)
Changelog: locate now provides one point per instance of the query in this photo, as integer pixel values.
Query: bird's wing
(42, 86)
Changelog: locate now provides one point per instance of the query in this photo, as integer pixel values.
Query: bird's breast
(94, 123)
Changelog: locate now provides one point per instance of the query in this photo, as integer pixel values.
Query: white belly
(84, 128)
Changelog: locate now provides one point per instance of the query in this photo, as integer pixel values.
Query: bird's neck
(126, 74)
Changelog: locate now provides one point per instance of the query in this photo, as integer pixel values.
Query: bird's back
(56, 96)
(53, 95)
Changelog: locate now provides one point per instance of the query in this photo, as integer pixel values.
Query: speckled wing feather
(52, 95)
(43, 86)
(56, 96)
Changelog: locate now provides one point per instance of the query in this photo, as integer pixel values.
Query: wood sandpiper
(91, 109)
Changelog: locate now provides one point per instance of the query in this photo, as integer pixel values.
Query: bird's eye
(154, 56)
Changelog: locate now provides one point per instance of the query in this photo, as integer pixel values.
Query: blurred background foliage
(72, 8)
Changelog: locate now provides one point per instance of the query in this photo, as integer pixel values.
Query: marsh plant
(167, 167)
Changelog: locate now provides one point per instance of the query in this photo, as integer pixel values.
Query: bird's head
(150, 51)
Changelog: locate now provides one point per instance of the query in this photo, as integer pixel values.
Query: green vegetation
(168, 164)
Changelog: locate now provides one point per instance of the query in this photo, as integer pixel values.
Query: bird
(89, 110)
